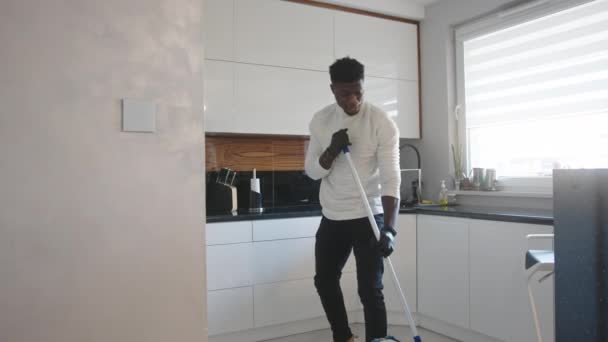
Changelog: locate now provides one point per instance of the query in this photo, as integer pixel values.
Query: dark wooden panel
(354, 10)
(264, 153)
(289, 154)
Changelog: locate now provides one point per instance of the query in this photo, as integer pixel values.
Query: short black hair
(346, 70)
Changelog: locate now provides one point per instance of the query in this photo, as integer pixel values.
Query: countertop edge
(503, 217)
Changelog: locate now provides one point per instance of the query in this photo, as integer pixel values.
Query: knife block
(221, 198)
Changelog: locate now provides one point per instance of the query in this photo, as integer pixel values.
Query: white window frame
(499, 20)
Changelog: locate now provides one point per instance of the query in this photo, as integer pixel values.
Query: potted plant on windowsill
(460, 176)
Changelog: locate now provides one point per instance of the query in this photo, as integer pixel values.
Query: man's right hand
(339, 140)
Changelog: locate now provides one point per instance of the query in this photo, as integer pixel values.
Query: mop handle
(372, 221)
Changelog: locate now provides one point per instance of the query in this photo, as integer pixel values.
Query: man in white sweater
(373, 139)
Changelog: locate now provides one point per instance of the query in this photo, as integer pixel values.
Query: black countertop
(536, 216)
(521, 215)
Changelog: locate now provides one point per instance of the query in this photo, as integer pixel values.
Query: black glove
(386, 245)
(339, 140)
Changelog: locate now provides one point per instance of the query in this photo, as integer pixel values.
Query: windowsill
(503, 194)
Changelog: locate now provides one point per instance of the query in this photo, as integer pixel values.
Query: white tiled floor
(401, 333)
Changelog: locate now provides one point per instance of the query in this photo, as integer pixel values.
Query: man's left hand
(386, 245)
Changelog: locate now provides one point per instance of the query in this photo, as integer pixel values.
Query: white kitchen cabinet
(230, 310)
(399, 99)
(295, 300)
(291, 228)
(283, 260)
(499, 304)
(404, 262)
(219, 29)
(254, 99)
(219, 107)
(281, 33)
(229, 266)
(387, 48)
(221, 233)
(267, 60)
(281, 256)
(272, 100)
(443, 270)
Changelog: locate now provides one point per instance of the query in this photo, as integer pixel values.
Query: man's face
(349, 96)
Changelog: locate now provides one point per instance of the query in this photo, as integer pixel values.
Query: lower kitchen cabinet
(291, 228)
(296, 300)
(404, 262)
(499, 305)
(229, 266)
(461, 273)
(443, 270)
(282, 260)
(230, 310)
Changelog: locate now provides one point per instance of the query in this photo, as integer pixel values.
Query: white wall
(401, 8)
(438, 84)
(101, 232)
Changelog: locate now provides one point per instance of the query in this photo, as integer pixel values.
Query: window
(534, 84)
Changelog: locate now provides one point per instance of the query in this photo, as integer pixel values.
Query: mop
(374, 225)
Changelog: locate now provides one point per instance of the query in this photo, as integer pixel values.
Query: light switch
(138, 116)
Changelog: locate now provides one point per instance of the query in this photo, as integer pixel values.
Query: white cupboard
(387, 48)
(229, 266)
(404, 262)
(229, 277)
(443, 269)
(278, 100)
(471, 274)
(230, 310)
(499, 300)
(220, 110)
(295, 300)
(302, 227)
(228, 233)
(219, 29)
(245, 98)
(280, 33)
(267, 65)
(283, 260)
(399, 99)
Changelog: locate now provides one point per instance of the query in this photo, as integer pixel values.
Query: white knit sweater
(375, 153)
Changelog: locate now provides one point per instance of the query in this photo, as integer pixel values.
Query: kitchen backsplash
(279, 188)
(278, 160)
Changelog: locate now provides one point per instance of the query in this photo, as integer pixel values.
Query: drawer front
(228, 232)
(229, 266)
(296, 300)
(230, 310)
(285, 228)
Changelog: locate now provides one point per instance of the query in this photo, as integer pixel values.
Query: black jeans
(334, 242)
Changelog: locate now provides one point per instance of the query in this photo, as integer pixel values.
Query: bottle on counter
(255, 195)
(443, 194)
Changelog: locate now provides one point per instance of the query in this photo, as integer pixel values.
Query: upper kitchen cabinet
(387, 48)
(219, 96)
(399, 99)
(281, 33)
(219, 29)
(274, 100)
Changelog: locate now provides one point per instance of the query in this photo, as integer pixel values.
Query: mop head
(386, 339)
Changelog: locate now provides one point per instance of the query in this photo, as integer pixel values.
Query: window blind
(537, 93)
